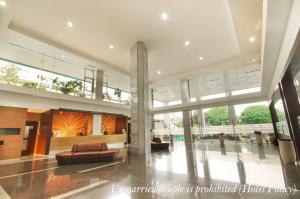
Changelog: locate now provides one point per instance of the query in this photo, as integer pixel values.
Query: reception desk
(60, 143)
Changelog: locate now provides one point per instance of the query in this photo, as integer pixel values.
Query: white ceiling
(235, 79)
(217, 30)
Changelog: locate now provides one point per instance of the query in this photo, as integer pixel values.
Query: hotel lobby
(149, 99)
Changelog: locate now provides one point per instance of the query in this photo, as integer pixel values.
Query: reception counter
(60, 143)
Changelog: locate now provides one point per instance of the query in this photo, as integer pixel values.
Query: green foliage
(72, 86)
(255, 115)
(217, 116)
(30, 85)
(118, 92)
(9, 75)
(195, 120)
(34, 85)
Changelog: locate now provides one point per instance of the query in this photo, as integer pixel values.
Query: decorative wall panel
(109, 123)
(67, 124)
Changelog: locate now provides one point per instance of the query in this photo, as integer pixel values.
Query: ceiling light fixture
(164, 16)
(111, 47)
(70, 24)
(200, 58)
(3, 3)
(63, 56)
(252, 39)
(253, 60)
(187, 43)
(158, 72)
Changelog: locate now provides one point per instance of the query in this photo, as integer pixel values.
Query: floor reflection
(231, 164)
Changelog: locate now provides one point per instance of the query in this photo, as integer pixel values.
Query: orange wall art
(67, 124)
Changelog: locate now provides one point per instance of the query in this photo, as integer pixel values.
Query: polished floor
(237, 170)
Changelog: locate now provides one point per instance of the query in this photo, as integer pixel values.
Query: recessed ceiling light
(111, 47)
(63, 56)
(158, 72)
(252, 39)
(200, 58)
(253, 60)
(3, 3)
(70, 24)
(164, 16)
(187, 43)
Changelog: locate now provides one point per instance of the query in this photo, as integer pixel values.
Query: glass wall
(217, 122)
(281, 124)
(116, 95)
(26, 76)
(251, 118)
(169, 124)
(167, 95)
(24, 67)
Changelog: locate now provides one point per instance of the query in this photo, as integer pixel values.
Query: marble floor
(208, 171)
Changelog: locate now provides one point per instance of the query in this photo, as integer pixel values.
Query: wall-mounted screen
(10, 131)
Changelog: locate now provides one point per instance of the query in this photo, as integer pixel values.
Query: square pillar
(188, 141)
(99, 85)
(139, 86)
(97, 120)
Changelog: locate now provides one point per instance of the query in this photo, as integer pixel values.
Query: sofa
(157, 144)
(87, 153)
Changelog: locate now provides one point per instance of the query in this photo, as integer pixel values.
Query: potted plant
(258, 137)
(287, 150)
(118, 93)
(221, 139)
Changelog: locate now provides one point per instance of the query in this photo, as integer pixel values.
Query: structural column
(201, 121)
(139, 86)
(190, 157)
(99, 85)
(97, 123)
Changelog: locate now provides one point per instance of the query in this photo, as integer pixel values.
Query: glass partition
(169, 126)
(116, 95)
(28, 68)
(251, 118)
(167, 95)
(281, 124)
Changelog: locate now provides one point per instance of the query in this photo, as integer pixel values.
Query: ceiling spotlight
(70, 24)
(164, 16)
(200, 58)
(158, 72)
(63, 56)
(187, 43)
(253, 60)
(3, 3)
(252, 39)
(111, 47)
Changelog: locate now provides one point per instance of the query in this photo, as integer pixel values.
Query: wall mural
(71, 124)
(108, 124)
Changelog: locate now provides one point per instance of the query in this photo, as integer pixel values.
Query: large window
(253, 117)
(167, 95)
(169, 124)
(25, 76)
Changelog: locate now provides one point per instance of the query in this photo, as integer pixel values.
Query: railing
(22, 75)
(228, 129)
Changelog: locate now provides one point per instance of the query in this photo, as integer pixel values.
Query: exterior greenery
(255, 115)
(217, 116)
(9, 75)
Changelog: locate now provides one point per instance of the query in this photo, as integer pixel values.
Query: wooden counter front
(58, 143)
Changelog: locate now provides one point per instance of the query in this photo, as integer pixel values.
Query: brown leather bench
(156, 144)
(87, 152)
